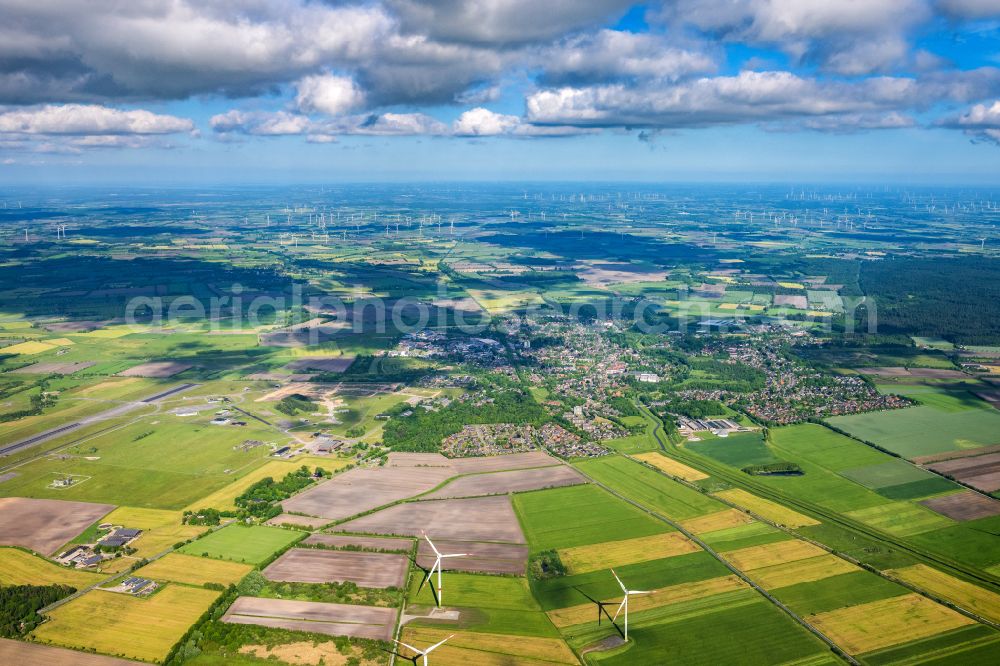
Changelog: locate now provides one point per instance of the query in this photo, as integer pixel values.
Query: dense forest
(954, 299)
(19, 606)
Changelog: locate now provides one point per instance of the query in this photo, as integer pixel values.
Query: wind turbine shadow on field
(601, 610)
(423, 581)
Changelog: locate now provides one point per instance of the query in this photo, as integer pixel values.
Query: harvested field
(359, 490)
(717, 521)
(20, 568)
(499, 463)
(494, 558)
(321, 364)
(29, 347)
(581, 559)
(965, 595)
(298, 521)
(32, 654)
(67, 368)
(312, 565)
(582, 613)
(801, 571)
(315, 617)
(880, 624)
(965, 505)
(369, 543)
(769, 554)
(509, 482)
(766, 509)
(156, 369)
(125, 625)
(484, 649)
(982, 472)
(45, 525)
(475, 519)
(671, 466)
(180, 568)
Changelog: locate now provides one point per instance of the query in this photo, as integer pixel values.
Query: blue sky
(891, 91)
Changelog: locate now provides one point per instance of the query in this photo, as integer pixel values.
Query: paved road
(95, 418)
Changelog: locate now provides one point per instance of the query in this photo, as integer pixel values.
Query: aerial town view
(464, 332)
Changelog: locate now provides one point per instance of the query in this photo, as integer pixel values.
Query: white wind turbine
(624, 603)
(437, 565)
(421, 653)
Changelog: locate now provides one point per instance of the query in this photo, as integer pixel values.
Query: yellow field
(469, 647)
(966, 595)
(801, 571)
(728, 306)
(766, 509)
(582, 559)
(782, 552)
(757, 308)
(671, 466)
(888, 622)
(160, 529)
(31, 347)
(59, 342)
(20, 568)
(818, 313)
(110, 332)
(567, 617)
(180, 568)
(223, 498)
(792, 285)
(126, 626)
(717, 521)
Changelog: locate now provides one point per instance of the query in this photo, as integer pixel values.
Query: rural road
(95, 418)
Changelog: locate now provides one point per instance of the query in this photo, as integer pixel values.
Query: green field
(743, 536)
(755, 633)
(579, 515)
(566, 591)
(923, 430)
(738, 450)
(650, 488)
(828, 594)
(252, 545)
(161, 462)
(492, 604)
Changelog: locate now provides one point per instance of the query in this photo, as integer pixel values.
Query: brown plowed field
(43, 525)
(320, 618)
(495, 558)
(509, 482)
(311, 565)
(475, 519)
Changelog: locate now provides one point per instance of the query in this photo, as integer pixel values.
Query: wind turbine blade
(437, 645)
(410, 647)
(640, 592)
(456, 555)
(436, 552)
(620, 607)
(620, 583)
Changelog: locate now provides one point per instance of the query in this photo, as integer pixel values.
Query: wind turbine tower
(624, 604)
(438, 556)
